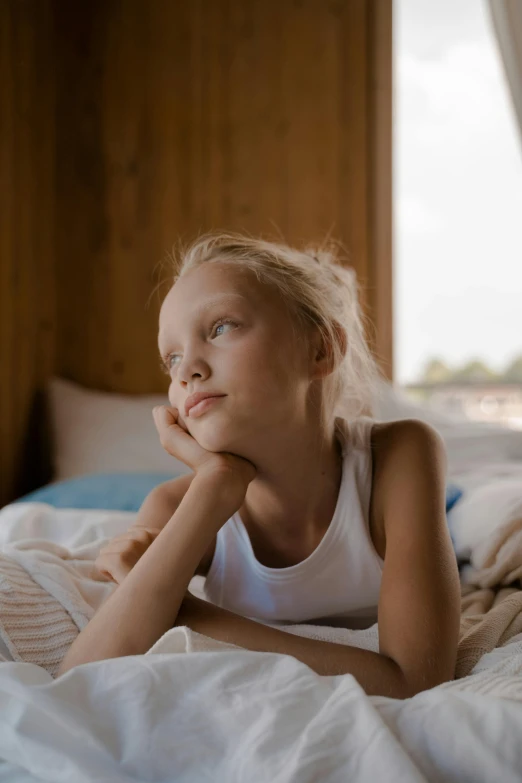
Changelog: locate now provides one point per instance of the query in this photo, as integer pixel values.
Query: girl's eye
(168, 363)
(221, 322)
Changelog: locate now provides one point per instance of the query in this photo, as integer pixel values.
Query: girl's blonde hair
(319, 292)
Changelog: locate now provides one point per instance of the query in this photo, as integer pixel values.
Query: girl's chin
(210, 437)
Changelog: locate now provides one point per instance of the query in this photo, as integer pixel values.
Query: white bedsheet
(237, 716)
(193, 710)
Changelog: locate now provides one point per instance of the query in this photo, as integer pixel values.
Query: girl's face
(222, 331)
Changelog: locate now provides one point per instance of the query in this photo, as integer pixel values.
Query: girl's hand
(121, 554)
(178, 442)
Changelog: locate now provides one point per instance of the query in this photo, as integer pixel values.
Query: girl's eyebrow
(207, 305)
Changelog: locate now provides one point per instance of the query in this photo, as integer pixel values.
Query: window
(458, 208)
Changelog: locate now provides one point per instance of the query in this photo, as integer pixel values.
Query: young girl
(300, 507)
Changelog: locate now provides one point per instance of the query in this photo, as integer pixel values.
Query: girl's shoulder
(383, 449)
(358, 432)
(380, 439)
(388, 439)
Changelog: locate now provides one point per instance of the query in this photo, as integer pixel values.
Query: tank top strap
(355, 433)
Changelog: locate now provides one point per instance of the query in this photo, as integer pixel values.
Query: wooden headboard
(129, 125)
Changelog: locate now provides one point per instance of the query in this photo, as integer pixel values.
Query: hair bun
(322, 255)
(327, 258)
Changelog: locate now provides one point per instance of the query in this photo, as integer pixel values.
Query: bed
(194, 709)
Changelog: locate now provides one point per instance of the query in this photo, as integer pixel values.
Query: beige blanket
(491, 596)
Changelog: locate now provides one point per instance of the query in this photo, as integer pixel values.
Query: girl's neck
(296, 499)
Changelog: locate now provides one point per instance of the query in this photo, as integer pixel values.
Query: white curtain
(507, 23)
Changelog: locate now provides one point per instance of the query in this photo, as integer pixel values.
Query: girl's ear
(324, 356)
(340, 332)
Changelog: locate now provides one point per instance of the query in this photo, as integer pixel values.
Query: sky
(457, 191)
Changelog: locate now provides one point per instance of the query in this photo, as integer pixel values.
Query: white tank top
(338, 584)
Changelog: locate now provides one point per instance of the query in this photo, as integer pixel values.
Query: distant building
(488, 401)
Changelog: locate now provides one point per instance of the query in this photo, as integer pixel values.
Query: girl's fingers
(180, 422)
(166, 421)
(164, 417)
(177, 441)
(117, 575)
(116, 570)
(120, 573)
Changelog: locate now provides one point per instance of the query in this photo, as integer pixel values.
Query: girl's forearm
(145, 605)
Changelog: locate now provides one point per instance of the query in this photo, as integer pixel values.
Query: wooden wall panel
(379, 281)
(128, 125)
(27, 280)
(176, 118)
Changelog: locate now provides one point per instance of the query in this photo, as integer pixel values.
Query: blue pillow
(453, 494)
(110, 491)
(124, 491)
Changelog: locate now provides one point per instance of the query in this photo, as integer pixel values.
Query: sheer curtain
(507, 23)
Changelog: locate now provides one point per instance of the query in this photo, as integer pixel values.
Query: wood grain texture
(27, 273)
(154, 121)
(177, 118)
(379, 284)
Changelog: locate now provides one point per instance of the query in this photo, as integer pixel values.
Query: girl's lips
(201, 407)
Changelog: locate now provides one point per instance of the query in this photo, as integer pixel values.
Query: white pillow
(104, 432)
(482, 512)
